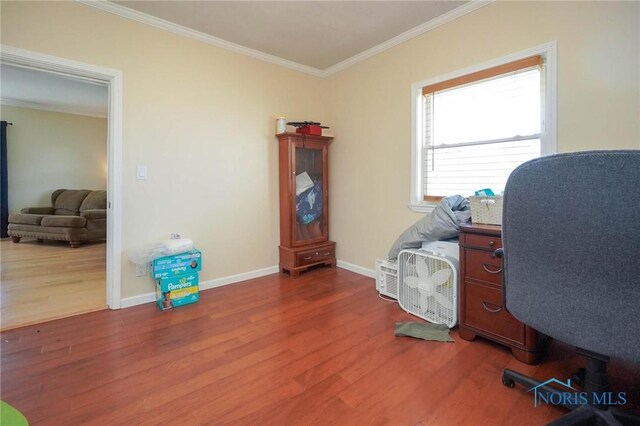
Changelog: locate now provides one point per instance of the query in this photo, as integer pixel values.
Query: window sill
(422, 207)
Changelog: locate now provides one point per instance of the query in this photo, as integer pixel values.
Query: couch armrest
(94, 214)
(37, 210)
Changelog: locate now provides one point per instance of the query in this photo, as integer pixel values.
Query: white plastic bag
(174, 245)
(142, 257)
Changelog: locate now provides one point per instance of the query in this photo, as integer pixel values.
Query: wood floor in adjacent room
(49, 280)
(274, 350)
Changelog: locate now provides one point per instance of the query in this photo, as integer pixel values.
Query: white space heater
(387, 278)
(428, 285)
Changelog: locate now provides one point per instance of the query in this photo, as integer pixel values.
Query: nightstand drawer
(483, 242)
(483, 310)
(481, 265)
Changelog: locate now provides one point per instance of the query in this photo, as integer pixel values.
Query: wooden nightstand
(481, 310)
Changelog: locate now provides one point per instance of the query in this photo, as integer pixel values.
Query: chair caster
(508, 382)
(578, 377)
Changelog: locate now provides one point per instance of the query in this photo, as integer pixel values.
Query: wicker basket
(486, 210)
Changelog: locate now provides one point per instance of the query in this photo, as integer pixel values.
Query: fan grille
(415, 299)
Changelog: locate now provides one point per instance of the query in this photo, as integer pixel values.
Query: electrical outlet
(141, 270)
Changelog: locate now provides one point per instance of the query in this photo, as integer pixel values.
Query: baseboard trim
(232, 279)
(357, 269)
(140, 299)
(128, 302)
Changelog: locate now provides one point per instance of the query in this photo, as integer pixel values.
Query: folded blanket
(426, 331)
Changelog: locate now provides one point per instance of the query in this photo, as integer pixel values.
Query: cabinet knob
(492, 243)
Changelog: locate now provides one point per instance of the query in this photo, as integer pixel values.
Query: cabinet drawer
(316, 255)
(482, 266)
(484, 311)
(481, 241)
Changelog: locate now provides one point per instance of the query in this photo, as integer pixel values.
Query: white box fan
(428, 285)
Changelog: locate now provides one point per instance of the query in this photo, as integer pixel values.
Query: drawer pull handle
(486, 267)
(496, 310)
(307, 258)
(327, 253)
(492, 243)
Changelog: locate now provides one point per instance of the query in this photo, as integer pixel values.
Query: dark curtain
(4, 190)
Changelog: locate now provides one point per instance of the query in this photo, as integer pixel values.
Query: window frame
(548, 138)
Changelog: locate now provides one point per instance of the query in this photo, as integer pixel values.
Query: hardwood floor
(49, 280)
(274, 350)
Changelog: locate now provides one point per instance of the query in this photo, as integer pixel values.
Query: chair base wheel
(508, 382)
(578, 377)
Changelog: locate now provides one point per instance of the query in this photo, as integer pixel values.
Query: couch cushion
(64, 221)
(55, 194)
(26, 219)
(69, 201)
(95, 200)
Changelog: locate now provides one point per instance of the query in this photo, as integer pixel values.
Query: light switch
(141, 173)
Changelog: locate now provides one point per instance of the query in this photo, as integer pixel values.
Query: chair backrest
(68, 201)
(571, 236)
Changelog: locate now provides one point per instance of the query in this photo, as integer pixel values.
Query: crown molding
(153, 21)
(456, 13)
(144, 18)
(52, 107)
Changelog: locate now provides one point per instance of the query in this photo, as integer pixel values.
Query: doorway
(112, 80)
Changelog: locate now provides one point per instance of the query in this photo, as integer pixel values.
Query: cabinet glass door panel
(310, 196)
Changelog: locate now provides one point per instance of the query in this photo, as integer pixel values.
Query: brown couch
(76, 215)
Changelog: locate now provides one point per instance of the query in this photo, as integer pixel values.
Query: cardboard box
(177, 264)
(177, 291)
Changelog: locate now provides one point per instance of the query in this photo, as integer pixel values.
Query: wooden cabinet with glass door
(304, 203)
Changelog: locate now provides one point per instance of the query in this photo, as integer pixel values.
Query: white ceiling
(42, 90)
(315, 34)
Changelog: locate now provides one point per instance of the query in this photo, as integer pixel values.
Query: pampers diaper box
(176, 279)
(177, 264)
(177, 291)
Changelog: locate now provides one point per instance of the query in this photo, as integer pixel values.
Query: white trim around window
(549, 125)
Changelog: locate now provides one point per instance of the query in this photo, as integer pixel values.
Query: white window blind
(477, 133)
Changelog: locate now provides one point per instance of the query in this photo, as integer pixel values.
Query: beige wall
(51, 150)
(202, 119)
(598, 103)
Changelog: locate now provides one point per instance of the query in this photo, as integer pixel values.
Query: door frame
(10, 55)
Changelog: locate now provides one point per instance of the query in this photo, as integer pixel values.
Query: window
(472, 129)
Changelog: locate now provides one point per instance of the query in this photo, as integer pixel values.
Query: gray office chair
(571, 238)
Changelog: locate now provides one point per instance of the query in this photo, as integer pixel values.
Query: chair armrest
(37, 210)
(94, 214)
